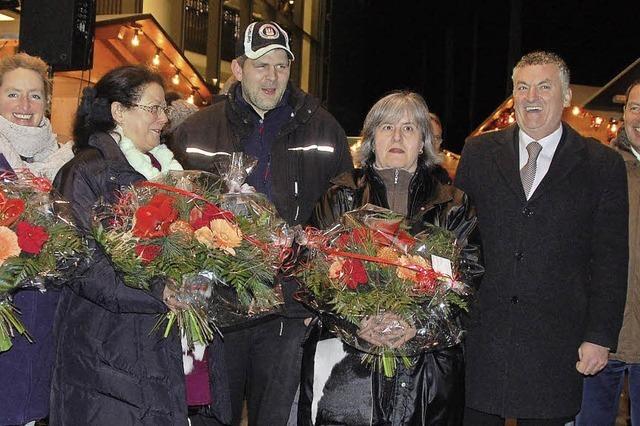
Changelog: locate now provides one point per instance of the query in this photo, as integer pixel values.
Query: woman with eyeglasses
(110, 369)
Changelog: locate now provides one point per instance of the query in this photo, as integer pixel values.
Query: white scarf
(141, 161)
(37, 144)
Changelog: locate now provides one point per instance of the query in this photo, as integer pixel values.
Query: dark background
(459, 54)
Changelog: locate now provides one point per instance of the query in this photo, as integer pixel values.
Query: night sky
(459, 54)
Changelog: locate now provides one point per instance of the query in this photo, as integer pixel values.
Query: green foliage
(440, 242)
(178, 257)
(121, 249)
(63, 243)
(9, 325)
(250, 277)
(192, 322)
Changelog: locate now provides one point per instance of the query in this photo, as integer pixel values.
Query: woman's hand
(170, 298)
(388, 329)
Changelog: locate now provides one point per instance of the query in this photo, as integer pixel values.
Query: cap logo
(269, 32)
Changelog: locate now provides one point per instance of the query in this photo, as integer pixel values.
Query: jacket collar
(111, 152)
(422, 199)
(304, 106)
(622, 144)
(506, 157)
(569, 154)
(107, 146)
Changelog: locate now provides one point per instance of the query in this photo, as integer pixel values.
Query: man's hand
(593, 358)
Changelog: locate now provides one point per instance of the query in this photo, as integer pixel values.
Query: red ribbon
(169, 188)
(319, 241)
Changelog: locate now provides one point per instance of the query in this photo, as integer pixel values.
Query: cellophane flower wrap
(176, 229)
(38, 244)
(264, 230)
(383, 291)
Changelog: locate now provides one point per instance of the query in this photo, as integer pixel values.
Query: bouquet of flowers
(176, 229)
(37, 244)
(381, 290)
(265, 229)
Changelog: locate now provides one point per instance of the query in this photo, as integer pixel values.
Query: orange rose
(8, 244)
(220, 234)
(387, 253)
(410, 274)
(182, 227)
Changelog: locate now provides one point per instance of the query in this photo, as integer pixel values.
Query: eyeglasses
(154, 109)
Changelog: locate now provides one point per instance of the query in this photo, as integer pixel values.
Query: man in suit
(552, 209)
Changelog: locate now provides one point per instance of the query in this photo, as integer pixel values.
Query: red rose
(31, 238)
(147, 252)
(354, 273)
(199, 218)
(153, 219)
(10, 210)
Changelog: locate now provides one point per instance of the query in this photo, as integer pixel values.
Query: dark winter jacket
(428, 201)
(431, 391)
(310, 149)
(110, 368)
(26, 367)
(556, 271)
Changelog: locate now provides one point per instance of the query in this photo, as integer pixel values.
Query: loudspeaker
(61, 32)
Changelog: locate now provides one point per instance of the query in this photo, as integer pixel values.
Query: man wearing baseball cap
(300, 147)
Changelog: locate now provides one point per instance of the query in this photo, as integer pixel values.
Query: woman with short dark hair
(111, 369)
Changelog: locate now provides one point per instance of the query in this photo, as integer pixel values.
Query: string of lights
(137, 37)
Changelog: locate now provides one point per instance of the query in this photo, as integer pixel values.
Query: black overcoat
(110, 368)
(556, 271)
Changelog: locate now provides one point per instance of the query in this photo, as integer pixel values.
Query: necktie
(528, 171)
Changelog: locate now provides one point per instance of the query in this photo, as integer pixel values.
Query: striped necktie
(528, 171)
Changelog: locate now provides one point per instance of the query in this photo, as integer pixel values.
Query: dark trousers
(478, 418)
(601, 394)
(263, 366)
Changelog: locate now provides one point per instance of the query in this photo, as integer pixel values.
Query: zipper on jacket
(295, 196)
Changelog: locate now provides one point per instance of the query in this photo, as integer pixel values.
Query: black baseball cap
(263, 37)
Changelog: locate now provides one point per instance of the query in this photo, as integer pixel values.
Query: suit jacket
(556, 271)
